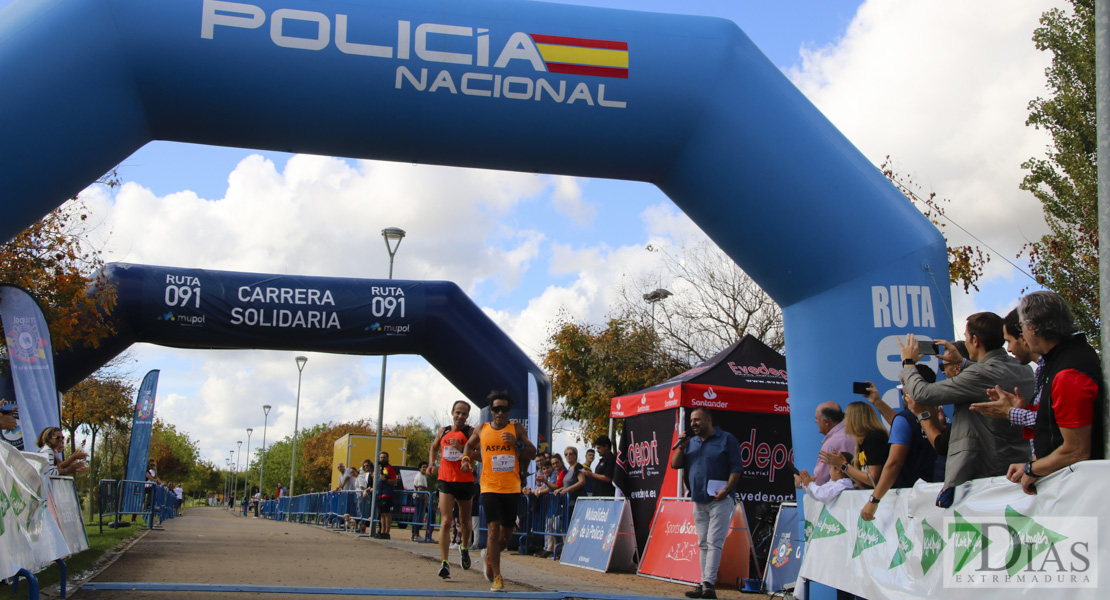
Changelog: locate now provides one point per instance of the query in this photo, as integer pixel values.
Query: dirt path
(212, 546)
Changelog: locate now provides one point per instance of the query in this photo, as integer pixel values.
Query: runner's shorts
(461, 490)
(501, 507)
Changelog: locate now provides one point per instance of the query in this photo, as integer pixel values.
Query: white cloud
(942, 87)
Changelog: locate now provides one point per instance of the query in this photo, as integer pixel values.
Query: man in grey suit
(979, 446)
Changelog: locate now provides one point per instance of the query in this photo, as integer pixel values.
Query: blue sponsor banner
(785, 560)
(31, 358)
(140, 439)
(599, 529)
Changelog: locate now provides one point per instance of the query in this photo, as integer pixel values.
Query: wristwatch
(844, 468)
(872, 499)
(1029, 470)
(907, 362)
(519, 445)
(924, 416)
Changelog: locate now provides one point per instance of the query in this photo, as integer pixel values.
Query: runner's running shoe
(444, 570)
(498, 585)
(465, 561)
(489, 567)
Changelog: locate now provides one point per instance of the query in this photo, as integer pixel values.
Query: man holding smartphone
(978, 446)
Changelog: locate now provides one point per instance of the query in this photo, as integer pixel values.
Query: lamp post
(231, 455)
(227, 471)
(653, 297)
(262, 467)
(392, 237)
(247, 465)
(235, 478)
(301, 360)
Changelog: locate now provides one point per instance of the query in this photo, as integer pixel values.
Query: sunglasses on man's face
(499, 409)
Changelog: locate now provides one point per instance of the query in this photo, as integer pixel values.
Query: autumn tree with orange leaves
(95, 403)
(53, 260)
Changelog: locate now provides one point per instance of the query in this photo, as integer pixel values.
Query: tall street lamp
(227, 473)
(235, 479)
(247, 465)
(231, 455)
(301, 360)
(262, 467)
(392, 237)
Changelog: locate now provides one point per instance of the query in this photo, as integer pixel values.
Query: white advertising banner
(30, 537)
(994, 542)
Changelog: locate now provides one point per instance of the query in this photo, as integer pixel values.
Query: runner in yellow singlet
(503, 446)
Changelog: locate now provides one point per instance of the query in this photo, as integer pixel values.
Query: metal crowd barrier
(548, 515)
(129, 497)
(410, 508)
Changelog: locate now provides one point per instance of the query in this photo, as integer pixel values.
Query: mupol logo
(543, 52)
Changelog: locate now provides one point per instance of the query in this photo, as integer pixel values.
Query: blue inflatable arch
(687, 103)
(198, 308)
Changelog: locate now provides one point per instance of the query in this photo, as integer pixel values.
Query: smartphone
(928, 347)
(860, 387)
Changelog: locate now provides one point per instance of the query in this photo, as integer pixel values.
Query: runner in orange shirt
(455, 486)
(503, 447)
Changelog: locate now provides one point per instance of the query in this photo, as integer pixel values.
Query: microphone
(689, 434)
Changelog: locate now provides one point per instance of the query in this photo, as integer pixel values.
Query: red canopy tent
(745, 388)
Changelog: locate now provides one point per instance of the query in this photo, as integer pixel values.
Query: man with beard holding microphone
(712, 460)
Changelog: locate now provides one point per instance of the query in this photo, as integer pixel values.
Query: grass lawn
(99, 543)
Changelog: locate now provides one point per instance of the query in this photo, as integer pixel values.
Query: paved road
(212, 546)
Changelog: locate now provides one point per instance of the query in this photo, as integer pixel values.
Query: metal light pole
(231, 455)
(227, 472)
(301, 360)
(390, 235)
(262, 467)
(235, 477)
(247, 465)
(653, 297)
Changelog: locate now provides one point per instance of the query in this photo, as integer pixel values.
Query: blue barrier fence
(539, 519)
(127, 497)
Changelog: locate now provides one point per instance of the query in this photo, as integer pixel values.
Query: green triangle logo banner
(5, 504)
(967, 541)
(905, 546)
(827, 526)
(1035, 539)
(16, 498)
(867, 535)
(932, 545)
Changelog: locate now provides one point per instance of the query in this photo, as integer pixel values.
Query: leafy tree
(53, 260)
(204, 478)
(173, 451)
(317, 450)
(95, 404)
(714, 303)
(418, 439)
(279, 455)
(1066, 179)
(965, 263)
(589, 365)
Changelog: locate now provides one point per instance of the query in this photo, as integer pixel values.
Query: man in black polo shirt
(602, 475)
(1070, 421)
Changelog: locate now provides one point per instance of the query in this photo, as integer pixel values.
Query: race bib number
(451, 453)
(504, 463)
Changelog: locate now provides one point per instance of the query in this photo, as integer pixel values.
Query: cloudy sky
(941, 86)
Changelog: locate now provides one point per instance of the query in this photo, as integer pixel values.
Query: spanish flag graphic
(581, 56)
